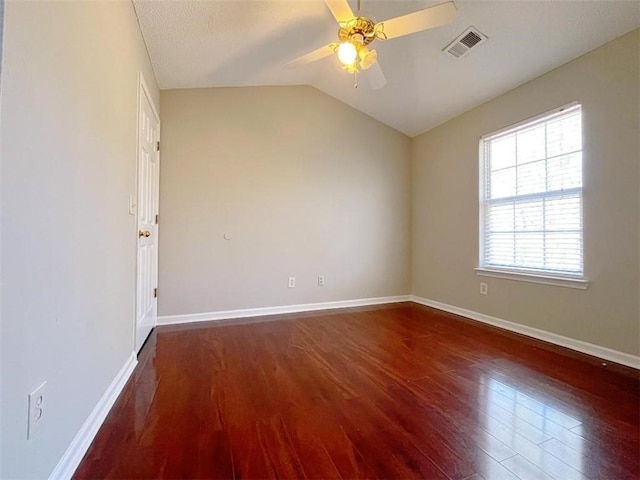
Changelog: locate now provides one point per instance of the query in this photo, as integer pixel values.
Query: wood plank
(391, 391)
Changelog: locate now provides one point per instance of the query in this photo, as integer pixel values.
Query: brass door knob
(145, 234)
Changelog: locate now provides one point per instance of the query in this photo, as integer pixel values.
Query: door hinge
(157, 217)
(155, 293)
(158, 146)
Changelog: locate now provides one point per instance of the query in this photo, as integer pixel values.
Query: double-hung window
(531, 200)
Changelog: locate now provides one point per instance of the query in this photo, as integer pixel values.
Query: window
(531, 199)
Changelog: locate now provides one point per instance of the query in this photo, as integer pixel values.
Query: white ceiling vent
(466, 41)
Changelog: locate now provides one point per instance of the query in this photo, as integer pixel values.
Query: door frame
(142, 90)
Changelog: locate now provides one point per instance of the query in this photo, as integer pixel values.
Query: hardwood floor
(395, 391)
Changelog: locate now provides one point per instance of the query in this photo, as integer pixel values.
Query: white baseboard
(258, 312)
(80, 444)
(578, 345)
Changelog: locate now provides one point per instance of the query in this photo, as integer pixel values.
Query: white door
(148, 187)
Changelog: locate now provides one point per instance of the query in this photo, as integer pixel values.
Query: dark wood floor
(398, 391)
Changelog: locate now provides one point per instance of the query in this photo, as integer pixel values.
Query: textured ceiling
(212, 43)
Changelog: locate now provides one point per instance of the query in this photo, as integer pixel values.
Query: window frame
(522, 274)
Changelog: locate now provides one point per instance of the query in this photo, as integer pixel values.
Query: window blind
(531, 196)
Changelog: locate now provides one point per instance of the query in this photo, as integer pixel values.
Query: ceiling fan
(357, 32)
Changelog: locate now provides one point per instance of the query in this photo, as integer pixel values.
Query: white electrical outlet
(321, 281)
(292, 282)
(37, 409)
(484, 288)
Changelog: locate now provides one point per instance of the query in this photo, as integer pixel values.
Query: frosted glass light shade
(347, 53)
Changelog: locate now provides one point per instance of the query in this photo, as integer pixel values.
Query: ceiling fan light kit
(356, 33)
(354, 36)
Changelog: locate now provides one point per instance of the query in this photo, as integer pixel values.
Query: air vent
(460, 46)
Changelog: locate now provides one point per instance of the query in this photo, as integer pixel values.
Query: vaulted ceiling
(215, 43)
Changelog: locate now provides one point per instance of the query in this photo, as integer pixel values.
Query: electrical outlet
(321, 281)
(292, 282)
(484, 288)
(37, 409)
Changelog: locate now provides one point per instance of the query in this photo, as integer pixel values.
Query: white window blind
(531, 196)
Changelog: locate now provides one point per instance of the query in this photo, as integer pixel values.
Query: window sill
(578, 283)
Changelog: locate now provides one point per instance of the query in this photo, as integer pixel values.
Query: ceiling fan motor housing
(358, 29)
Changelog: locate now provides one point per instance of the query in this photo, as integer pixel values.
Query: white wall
(305, 186)
(69, 97)
(445, 203)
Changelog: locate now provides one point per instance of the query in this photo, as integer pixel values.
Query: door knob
(145, 234)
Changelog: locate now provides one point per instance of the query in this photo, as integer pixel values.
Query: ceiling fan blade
(340, 9)
(312, 56)
(375, 76)
(436, 16)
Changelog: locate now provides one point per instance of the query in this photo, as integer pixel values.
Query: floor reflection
(541, 436)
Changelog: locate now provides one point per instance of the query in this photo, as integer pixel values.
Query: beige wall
(69, 99)
(445, 203)
(305, 186)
